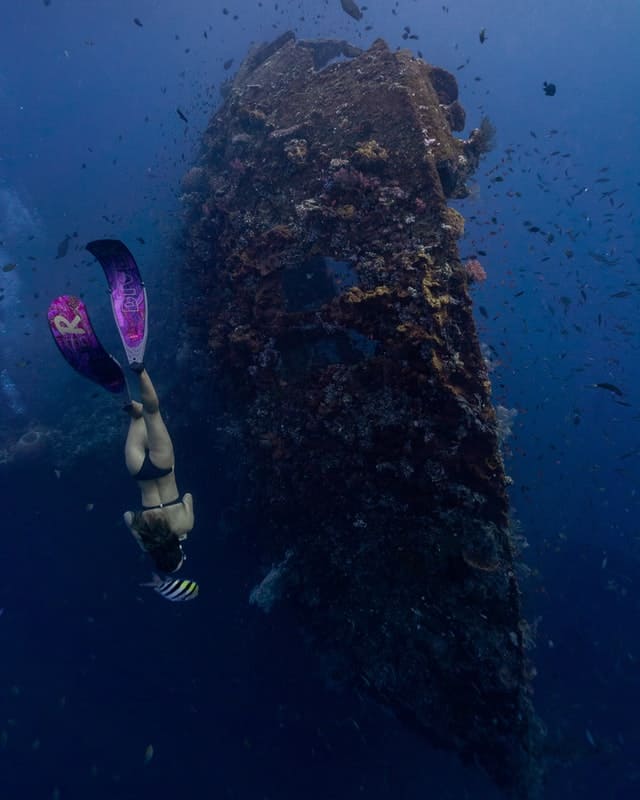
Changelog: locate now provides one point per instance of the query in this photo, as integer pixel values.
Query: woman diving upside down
(165, 519)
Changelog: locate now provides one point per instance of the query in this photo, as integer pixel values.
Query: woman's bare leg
(150, 402)
(158, 439)
(136, 442)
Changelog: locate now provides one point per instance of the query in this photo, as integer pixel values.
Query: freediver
(165, 519)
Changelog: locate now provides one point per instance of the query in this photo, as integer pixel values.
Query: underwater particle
(4, 738)
(148, 754)
(482, 35)
(351, 8)
(89, 507)
(8, 267)
(55, 794)
(549, 89)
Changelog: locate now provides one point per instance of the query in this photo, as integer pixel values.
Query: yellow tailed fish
(174, 589)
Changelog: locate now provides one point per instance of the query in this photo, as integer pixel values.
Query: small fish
(623, 293)
(227, 64)
(174, 589)
(8, 267)
(137, 22)
(351, 8)
(181, 115)
(549, 89)
(610, 387)
(482, 35)
(63, 247)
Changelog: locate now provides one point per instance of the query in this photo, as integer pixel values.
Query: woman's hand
(187, 502)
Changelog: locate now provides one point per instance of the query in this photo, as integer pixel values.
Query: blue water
(95, 669)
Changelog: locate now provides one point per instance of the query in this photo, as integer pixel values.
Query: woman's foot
(133, 409)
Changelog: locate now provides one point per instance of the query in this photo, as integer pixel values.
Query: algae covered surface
(340, 338)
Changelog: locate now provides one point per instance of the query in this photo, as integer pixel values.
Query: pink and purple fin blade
(128, 295)
(72, 331)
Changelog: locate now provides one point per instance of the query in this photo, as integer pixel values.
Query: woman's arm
(187, 502)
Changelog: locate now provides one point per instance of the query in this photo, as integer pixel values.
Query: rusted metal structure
(341, 336)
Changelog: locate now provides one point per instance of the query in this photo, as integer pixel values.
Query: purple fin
(128, 295)
(72, 331)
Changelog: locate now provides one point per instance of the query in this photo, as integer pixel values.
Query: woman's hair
(158, 539)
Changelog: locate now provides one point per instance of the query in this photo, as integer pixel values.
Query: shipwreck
(339, 334)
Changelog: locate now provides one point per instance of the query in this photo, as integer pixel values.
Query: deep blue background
(94, 668)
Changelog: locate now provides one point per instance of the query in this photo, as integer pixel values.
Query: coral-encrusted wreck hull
(342, 338)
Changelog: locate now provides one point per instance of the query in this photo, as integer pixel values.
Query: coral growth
(475, 270)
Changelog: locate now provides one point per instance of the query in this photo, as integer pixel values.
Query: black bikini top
(163, 505)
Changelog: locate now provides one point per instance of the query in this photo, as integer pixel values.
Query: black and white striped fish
(174, 589)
